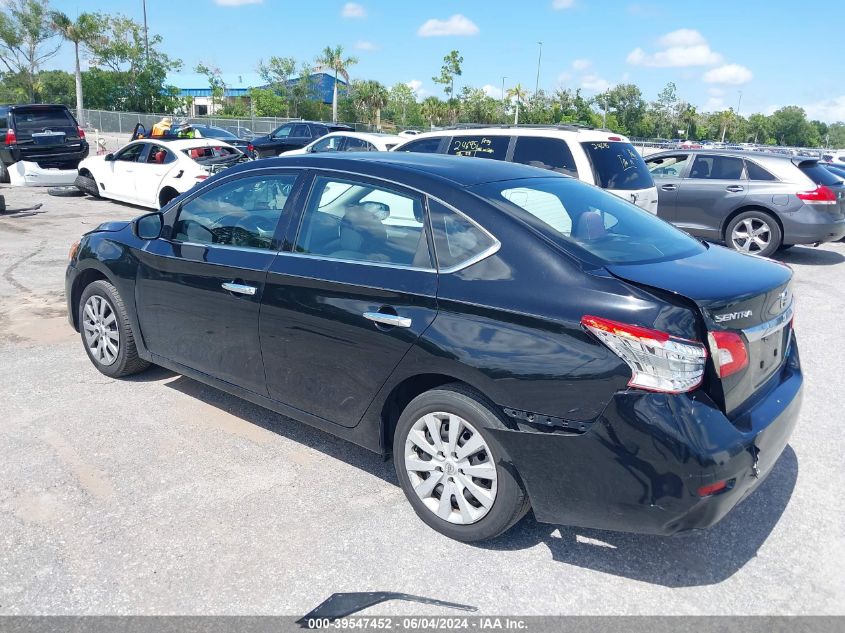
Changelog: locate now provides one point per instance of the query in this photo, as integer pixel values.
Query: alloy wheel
(451, 468)
(99, 324)
(751, 235)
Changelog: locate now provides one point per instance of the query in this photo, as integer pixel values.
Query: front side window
(283, 132)
(423, 146)
(330, 144)
(594, 225)
(546, 153)
(668, 166)
(457, 240)
(241, 213)
(357, 221)
(130, 154)
(481, 146)
(716, 168)
(617, 166)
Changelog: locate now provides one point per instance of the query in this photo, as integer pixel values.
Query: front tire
(106, 332)
(755, 233)
(450, 466)
(88, 185)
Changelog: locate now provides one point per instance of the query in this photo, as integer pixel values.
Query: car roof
(38, 106)
(366, 136)
(580, 133)
(739, 153)
(459, 170)
(182, 143)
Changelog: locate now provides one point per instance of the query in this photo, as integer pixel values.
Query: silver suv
(753, 202)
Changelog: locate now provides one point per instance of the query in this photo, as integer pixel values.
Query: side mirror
(108, 157)
(148, 227)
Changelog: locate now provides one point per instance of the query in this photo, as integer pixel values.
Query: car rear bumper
(809, 225)
(45, 157)
(640, 465)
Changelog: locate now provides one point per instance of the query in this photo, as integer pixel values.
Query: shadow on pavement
(809, 256)
(699, 558)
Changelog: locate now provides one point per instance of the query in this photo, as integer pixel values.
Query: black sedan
(515, 338)
(293, 135)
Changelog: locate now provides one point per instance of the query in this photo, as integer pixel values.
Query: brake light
(201, 177)
(81, 133)
(729, 352)
(712, 489)
(11, 139)
(658, 361)
(614, 138)
(819, 195)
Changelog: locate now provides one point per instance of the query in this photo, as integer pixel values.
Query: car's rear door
(342, 306)
(668, 172)
(151, 168)
(199, 287)
(714, 187)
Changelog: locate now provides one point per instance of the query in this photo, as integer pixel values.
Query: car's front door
(713, 188)
(149, 172)
(200, 285)
(118, 177)
(667, 172)
(345, 304)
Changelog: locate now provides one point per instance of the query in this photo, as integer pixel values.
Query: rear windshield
(594, 225)
(211, 132)
(618, 165)
(37, 120)
(819, 174)
(479, 146)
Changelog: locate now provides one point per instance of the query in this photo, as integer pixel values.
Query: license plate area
(766, 355)
(48, 138)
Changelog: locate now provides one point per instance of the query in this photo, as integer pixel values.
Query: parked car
(293, 135)
(514, 337)
(751, 201)
(838, 171)
(594, 156)
(834, 157)
(209, 131)
(151, 172)
(240, 132)
(44, 134)
(348, 142)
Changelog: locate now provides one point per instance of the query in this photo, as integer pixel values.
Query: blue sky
(712, 50)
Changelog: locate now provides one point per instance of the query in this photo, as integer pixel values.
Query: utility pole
(504, 103)
(604, 113)
(539, 58)
(739, 103)
(146, 40)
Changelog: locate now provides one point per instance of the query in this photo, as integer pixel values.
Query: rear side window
(618, 165)
(358, 145)
(4, 118)
(716, 168)
(457, 240)
(547, 153)
(495, 147)
(755, 172)
(668, 166)
(301, 130)
(818, 174)
(37, 120)
(423, 146)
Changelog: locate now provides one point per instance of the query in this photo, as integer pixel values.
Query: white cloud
(716, 92)
(829, 111)
(594, 83)
(732, 74)
(417, 86)
(353, 10)
(564, 77)
(364, 45)
(455, 25)
(581, 64)
(558, 5)
(714, 104)
(492, 91)
(236, 3)
(681, 48)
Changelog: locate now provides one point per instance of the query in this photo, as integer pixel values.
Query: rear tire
(485, 497)
(106, 332)
(755, 233)
(4, 174)
(88, 185)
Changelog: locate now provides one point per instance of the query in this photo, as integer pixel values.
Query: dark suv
(293, 135)
(44, 134)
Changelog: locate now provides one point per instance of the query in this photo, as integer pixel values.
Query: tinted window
(456, 239)
(301, 130)
(592, 224)
(479, 146)
(36, 120)
(130, 154)
(424, 145)
(240, 213)
(4, 118)
(358, 145)
(618, 166)
(330, 144)
(358, 221)
(818, 174)
(213, 132)
(755, 172)
(283, 132)
(836, 171)
(547, 153)
(716, 168)
(668, 166)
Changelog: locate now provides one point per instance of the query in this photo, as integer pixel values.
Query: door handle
(734, 188)
(388, 319)
(669, 187)
(240, 289)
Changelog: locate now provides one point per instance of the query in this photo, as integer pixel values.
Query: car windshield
(595, 226)
(617, 165)
(213, 132)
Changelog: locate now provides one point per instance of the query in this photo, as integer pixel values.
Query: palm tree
(520, 94)
(83, 30)
(333, 58)
(376, 100)
(432, 110)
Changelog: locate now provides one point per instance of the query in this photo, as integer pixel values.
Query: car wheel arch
(750, 207)
(84, 279)
(166, 194)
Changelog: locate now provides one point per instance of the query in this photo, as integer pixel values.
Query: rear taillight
(729, 352)
(11, 139)
(201, 177)
(658, 361)
(81, 132)
(250, 148)
(819, 195)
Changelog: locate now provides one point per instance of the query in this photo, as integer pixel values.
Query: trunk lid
(749, 296)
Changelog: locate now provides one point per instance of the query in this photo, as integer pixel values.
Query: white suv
(597, 157)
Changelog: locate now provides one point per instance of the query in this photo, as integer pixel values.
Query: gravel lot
(159, 495)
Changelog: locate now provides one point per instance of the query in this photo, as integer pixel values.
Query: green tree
(478, 107)
(626, 103)
(215, 82)
(836, 135)
(55, 86)
(303, 90)
(401, 104)
(666, 110)
(790, 126)
(277, 74)
(451, 68)
(758, 128)
(25, 40)
(84, 29)
(333, 59)
(266, 102)
(433, 110)
(517, 94)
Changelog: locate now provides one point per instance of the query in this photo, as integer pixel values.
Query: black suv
(44, 134)
(293, 135)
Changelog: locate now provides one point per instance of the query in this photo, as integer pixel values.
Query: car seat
(700, 170)
(362, 236)
(589, 227)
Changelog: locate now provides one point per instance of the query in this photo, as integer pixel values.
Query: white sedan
(349, 142)
(151, 172)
